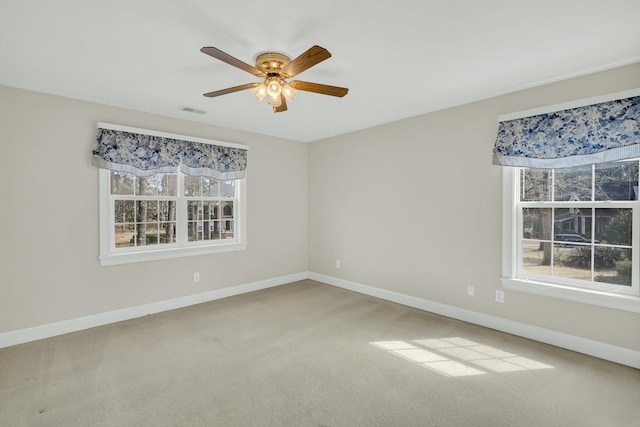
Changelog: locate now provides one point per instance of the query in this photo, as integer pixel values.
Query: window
(168, 215)
(573, 233)
(210, 207)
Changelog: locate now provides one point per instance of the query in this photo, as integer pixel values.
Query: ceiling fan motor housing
(272, 63)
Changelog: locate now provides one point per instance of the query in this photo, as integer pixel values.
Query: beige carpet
(308, 354)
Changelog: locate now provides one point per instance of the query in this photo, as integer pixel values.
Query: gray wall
(49, 267)
(414, 207)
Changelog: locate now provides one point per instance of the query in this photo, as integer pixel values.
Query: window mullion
(552, 237)
(552, 190)
(181, 212)
(635, 247)
(593, 247)
(511, 223)
(552, 198)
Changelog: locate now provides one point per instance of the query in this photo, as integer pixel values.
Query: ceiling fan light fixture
(275, 101)
(289, 92)
(260, 91)
(274, 88)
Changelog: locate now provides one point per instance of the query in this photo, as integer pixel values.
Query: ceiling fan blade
(314, 55)
(319, 88)
(230, 90)
(283, 105)
(225, 57)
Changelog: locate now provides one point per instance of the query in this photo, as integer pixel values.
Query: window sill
(160, 254)
(586, 296)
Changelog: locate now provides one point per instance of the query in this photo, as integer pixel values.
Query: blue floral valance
(144, 155)
(596, 133)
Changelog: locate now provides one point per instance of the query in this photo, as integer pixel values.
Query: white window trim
(509, 258)
(109, 257)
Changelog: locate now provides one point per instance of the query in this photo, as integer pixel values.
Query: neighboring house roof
(617, 191)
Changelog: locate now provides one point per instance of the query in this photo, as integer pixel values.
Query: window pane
(146, 210)
(535, 185)
(194, 210)
(122, 183)
(572, 184)
(152, 234)
(195, 230)
(205, 230)
(215, 230)
(536, 223)
(167, 232)
(192, 186)
(150, 185)
(227, 188)
(169, 186)
(209, 210)
(613, 265)
(147, 234)
(209, 187)
(572, 225)
(124, 211)
(613, 226)
(124, 235)
(152, 211)
(167, 210)
(227, 209)
(572, 262)
(227, 230)
(617, 181)
(214, 210)
(536, 257)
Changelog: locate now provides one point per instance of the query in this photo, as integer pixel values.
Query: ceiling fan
(275, 69)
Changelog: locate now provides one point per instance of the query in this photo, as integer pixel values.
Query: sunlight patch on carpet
(459, 357)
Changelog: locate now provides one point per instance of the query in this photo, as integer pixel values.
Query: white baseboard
(73, 325)
(598, 349)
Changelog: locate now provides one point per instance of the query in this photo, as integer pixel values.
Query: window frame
(109, 255)
(561, 289)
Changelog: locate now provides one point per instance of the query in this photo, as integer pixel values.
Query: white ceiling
(398, 59)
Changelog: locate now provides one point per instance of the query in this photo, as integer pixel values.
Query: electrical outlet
(196, 277)
(338, 263)
(499, 296)
(471, 291)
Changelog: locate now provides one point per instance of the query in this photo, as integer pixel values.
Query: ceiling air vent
(193, 110)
